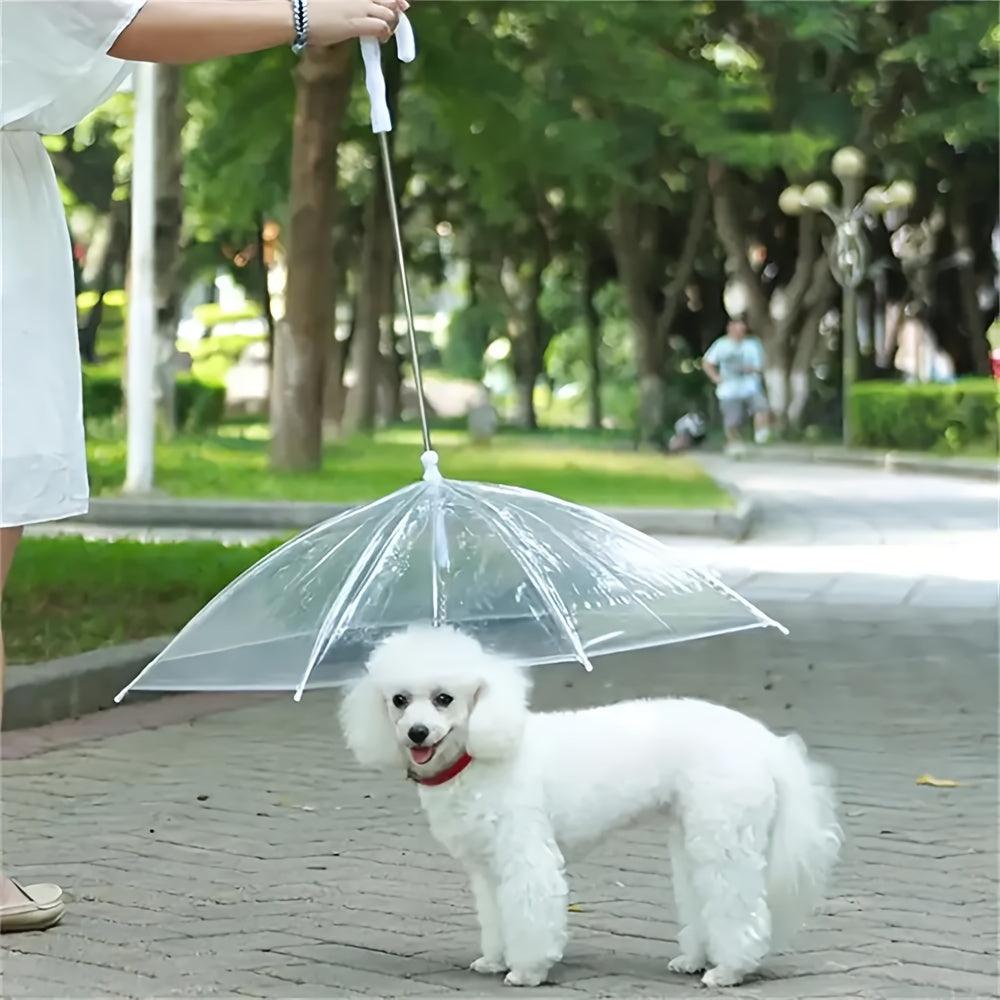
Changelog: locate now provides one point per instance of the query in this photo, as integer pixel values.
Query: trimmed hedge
(200, 405)
(102, 394)
(926, 417)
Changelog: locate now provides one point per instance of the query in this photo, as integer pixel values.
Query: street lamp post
(140, 405)
(850, 256)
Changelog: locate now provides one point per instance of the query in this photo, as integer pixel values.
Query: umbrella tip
(429, 460)
(121, 694)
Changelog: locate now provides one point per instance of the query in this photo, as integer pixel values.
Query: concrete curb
(733, 524)
(891, 461)
(161, 512)
(40, 693)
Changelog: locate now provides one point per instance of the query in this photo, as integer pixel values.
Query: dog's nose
(418, 734)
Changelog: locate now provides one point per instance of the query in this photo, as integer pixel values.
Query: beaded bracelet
(300, 22)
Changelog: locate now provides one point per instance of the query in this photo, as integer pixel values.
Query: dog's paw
(524, 978)
(687, 965)
(721, 976)
(487, 967)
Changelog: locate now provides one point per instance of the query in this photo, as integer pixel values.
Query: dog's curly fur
(749, 819)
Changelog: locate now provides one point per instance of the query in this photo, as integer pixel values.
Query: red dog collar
(452, 771)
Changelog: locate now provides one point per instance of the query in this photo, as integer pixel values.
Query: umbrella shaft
(418, 381)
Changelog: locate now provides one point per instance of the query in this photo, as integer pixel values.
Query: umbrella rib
(649, 544)
(589, 558)
(550, 597)
(311, 572)
(349, 591)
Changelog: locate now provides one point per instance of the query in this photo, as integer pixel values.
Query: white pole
(140, 402)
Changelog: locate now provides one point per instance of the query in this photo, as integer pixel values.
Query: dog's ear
(364, 720)
(496, 723)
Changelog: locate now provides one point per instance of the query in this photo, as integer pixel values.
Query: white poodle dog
(750, 821)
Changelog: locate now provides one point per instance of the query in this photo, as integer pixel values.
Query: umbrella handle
(371, 53)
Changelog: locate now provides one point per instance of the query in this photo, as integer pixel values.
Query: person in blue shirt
(735, 363)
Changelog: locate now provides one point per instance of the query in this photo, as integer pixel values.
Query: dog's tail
(805, 838)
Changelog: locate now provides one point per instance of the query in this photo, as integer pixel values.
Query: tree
(596, 273)
(93, 164)
(237, 172)
(373, 303)
(375, 285)
(941, 68)
(167, 240)
(629, 153)
(302, 342)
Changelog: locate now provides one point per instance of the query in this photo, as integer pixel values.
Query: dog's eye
(443, 700)
(400, 700)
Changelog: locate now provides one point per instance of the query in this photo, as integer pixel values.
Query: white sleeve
(759, 357)
(53, 58)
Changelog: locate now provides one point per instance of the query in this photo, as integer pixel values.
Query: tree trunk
(799, 382)
(732, 236)
(632, 239)
(374, 281)
(303, 339)
(113, 254)
(263, 276)
(673, 293)
(334, 391)
(522, 287)
(811, 281)
(592, 323)
(525, 414)
(375, 291)
(529, 368)
(523, 331)
(391, 403)
(972, 322)
(170, 116)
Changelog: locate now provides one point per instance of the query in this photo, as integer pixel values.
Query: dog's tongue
(421, 755)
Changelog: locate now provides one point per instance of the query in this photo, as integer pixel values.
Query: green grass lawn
(584, 469)
(67, 595)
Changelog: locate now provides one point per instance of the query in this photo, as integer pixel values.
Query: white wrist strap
(371, 52)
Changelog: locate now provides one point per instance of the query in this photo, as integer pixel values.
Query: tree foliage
(610, 166)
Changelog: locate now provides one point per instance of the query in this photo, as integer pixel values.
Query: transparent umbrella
(539, 579)
(536, 578)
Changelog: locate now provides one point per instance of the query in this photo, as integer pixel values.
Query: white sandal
(42, 907)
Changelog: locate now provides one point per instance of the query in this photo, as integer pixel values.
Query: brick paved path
(239, 854)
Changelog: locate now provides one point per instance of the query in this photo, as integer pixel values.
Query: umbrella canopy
(535, 578)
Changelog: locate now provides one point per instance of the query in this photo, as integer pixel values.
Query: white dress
(54, 70)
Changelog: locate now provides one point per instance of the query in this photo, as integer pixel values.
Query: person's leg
(761, 419)
(732, 418)
(33, 907)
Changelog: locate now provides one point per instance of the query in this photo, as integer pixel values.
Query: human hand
(332, 21)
